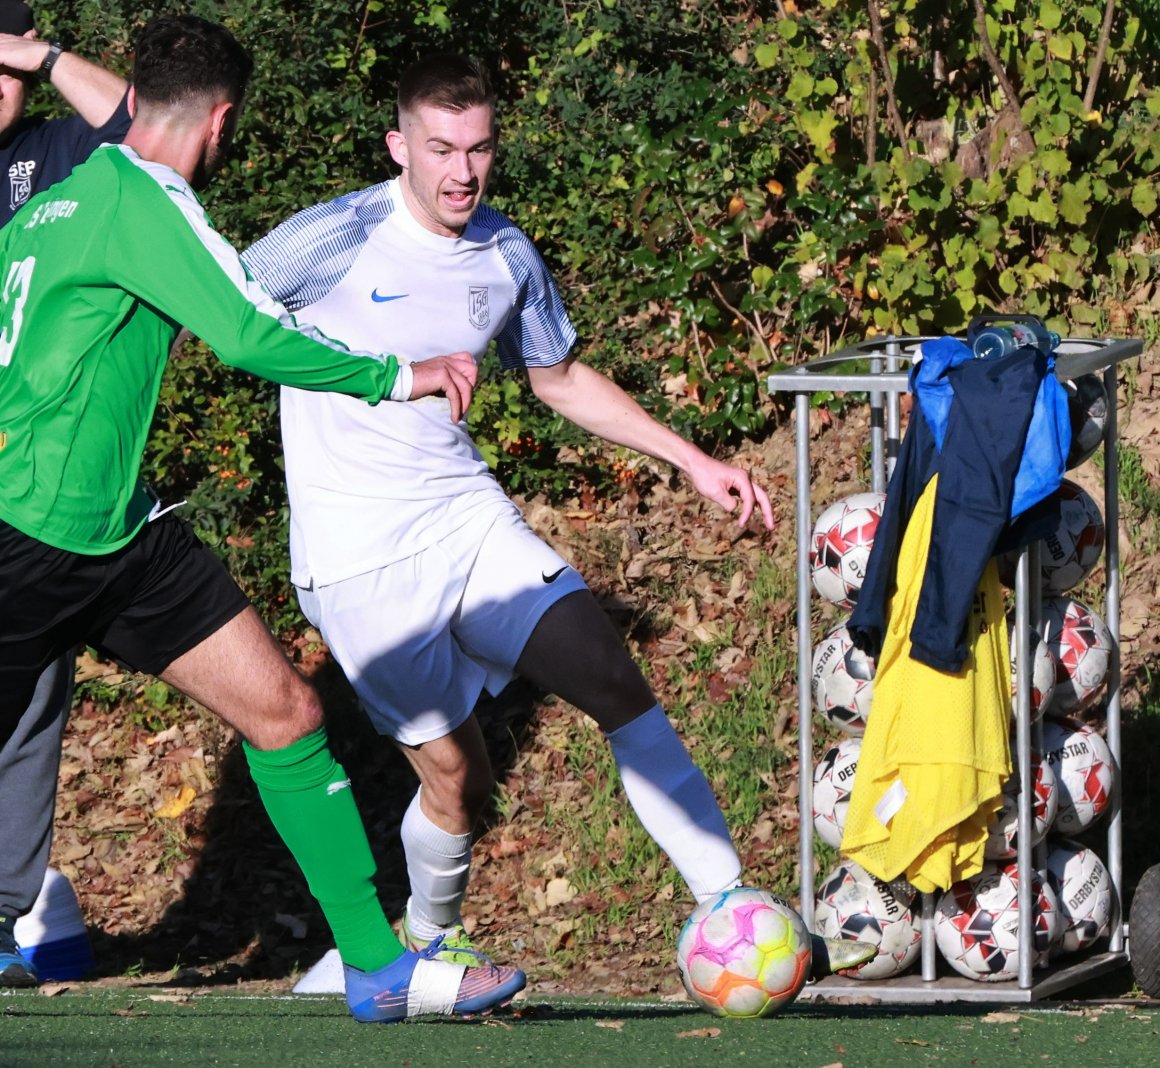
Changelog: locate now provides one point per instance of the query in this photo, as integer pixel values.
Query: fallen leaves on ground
(180, 875)
(700, 1032)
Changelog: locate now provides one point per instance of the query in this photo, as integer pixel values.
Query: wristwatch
(45, 70)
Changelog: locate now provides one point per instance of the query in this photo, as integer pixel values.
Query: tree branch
(1089, 96)
(871, 138)
(887, 76)
(1006, 87)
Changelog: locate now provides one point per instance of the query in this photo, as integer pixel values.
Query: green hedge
(720, 192)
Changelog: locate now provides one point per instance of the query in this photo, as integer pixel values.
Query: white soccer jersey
(370, 485)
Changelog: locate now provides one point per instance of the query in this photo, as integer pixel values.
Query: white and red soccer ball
(833, 783)
(842, 681)
(977, 923)
(840, 546)
(1069, 553)
(1087, 403)
(1043, 672)
(1087, 900)
(744, 953)
(1082, 646)
(853, 904)
(1084, 772)
(1002, 836)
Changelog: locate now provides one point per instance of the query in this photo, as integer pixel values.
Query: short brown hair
(446, 81)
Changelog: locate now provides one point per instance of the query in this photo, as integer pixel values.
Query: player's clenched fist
(453, 375)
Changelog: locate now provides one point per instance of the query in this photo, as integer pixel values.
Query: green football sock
(308, 798)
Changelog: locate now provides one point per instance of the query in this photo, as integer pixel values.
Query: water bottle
(995, 341)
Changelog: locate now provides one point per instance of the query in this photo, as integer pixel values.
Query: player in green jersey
(97, 276)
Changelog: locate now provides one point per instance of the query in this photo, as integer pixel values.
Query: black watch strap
(54, 52)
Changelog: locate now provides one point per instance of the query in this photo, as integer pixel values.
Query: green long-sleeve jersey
(97, 276)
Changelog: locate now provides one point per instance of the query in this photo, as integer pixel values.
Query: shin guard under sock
(309, 801)
(673, 801)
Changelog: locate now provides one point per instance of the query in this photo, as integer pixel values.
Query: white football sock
(673, 801)
(438, 865)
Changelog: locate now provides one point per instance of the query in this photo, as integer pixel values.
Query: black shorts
(144, 605)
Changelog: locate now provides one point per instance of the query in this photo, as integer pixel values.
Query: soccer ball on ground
(1084, 888)
(1043, 671)
(833, 783)
(1004, 830)
(976, 923)
(1087, 408)
(1069, 553)
(1084, 771)
(842, 681)
(1082, 646)
(853, 904)
(744, 953)
(840, 546)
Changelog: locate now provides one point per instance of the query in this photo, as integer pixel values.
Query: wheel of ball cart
(1144, 932)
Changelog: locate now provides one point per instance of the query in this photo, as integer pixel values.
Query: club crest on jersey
(20, 182)
(478, 312)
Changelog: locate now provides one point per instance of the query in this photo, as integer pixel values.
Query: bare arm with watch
(89, 89)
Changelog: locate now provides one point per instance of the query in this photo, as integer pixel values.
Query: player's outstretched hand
(453, 375)
(731, 487)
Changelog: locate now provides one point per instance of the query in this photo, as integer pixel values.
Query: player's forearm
(188, 271)
(90, 90)
(301, 361)
(597, 404)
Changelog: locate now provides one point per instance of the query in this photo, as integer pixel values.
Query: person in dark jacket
(34, 154)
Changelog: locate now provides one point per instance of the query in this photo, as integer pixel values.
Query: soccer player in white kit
(420, 573)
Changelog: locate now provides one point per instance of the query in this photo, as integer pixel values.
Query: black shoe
(15, 968)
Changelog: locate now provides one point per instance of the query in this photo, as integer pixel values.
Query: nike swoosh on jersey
(553, 576)
(382, 299)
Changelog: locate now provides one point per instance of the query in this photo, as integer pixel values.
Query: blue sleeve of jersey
(70, 141)
(114, 130)
(538, 333)
(304, 258)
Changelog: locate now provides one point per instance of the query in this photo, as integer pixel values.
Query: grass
(170, 1027)
(1141, 498)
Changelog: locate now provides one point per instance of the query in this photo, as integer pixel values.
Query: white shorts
(421, 638)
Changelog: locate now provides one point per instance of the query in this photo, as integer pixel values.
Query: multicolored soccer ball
(853, 904)
(1084, 771)
(1086, 898)
(1087, 407)
(1082, 646)
(833, 782)
(842, 681)
(1043, 671)
(840, 546)
(744, 953)
(976, 923)
(1002, 838)
(1071, 551)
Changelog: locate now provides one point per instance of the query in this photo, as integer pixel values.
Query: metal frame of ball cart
(885, 378)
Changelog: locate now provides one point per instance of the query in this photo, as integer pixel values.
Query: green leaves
(1144, 198)
(697, 176)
